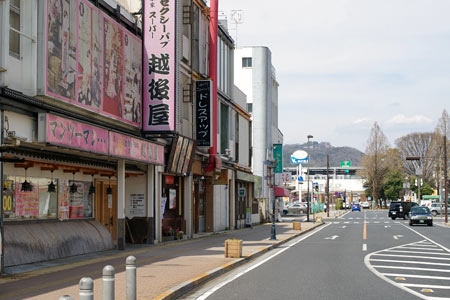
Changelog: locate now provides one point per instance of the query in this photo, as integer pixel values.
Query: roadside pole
(445, 180)
(327, 189)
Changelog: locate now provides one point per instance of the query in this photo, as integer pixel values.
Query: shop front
(247, 207)
(176, 195)
(64, 199)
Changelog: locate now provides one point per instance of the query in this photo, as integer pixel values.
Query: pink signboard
(73, 134)
(159, 69)
(92, 61)
(136, 149)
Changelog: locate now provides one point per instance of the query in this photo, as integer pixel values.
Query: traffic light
(316, 187)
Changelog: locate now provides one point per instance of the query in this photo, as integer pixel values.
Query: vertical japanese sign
(278, 156)
(203, 105)
(159, 65)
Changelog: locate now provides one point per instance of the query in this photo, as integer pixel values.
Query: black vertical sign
(203, 106)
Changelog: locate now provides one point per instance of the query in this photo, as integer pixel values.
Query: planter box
(297, 226)
(233, 248)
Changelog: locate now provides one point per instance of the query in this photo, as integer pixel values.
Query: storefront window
(37, 203)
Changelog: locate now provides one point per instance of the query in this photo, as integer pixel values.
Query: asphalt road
(363, 255)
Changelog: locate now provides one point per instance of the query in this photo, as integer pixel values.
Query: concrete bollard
(108, 282)
(86, 289)
(65, 297)
(130, 271)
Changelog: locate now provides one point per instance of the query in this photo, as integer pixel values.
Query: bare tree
(374, 161)
(417, 144)
(442, 129)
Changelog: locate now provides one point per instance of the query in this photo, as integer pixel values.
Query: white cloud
(401, 119)
(361, 121)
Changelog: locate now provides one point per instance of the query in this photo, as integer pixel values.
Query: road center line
(365, 232)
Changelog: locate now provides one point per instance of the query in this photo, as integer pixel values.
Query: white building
(256, 77)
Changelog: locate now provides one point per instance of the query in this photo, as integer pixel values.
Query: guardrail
(87, 284)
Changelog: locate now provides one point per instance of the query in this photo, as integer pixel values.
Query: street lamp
(307, 181)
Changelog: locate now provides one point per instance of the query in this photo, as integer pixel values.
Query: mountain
(318, 154)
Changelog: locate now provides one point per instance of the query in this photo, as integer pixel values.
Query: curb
(189, 285)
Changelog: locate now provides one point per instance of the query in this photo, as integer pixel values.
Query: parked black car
(420, 215)
(400, 209)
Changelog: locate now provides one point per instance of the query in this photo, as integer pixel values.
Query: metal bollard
(86, 289)
(108, 283)
(130, 271)
(65, 297)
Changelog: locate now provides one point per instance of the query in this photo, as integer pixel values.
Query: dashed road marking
(364, 247)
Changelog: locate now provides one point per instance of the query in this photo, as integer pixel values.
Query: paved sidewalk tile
(159, 267)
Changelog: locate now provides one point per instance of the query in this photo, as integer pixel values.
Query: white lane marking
(410, 262)
(387, 226)
(358, 218)
(416, 252)
(222, 284)
(386, 222)
(376, 222)
(366, 222)
(331, 237)
(411, 268)
(397, 236)
(336, 222)
(420, 248)
(423, 246)
(355, 222)
(411, 256)
(416, 276)
(444, 287)
(428, 239)
(346, 222)
(344, 226)
(364, 247)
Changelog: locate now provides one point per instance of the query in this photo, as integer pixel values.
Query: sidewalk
(162, 270)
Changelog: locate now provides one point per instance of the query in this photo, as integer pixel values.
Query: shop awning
(281, 192)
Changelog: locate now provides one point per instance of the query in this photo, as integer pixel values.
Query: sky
(344, 64)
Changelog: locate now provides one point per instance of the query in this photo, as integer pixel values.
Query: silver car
(436, 209)
(297, 208)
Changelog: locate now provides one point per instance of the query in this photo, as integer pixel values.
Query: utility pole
(327, 190)
(445, 180)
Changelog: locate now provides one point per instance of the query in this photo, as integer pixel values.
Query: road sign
(346, 164)
(300, 179)
(299, 157)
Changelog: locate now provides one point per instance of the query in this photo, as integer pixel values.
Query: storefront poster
(27, 203)
(137, 205)
(159, 21)
(63, 200)
(8, 201)
(163, 206)
(172, 198)
(92, 61)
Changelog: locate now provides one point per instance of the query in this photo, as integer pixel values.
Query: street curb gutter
(189, 285)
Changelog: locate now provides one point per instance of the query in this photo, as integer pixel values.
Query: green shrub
(338, 204)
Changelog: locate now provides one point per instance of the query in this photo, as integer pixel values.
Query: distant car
(345, 205)
(420, 215)
(356, 207)
(365, 205)
(400, 209)
(297, 208)
(435, 209)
